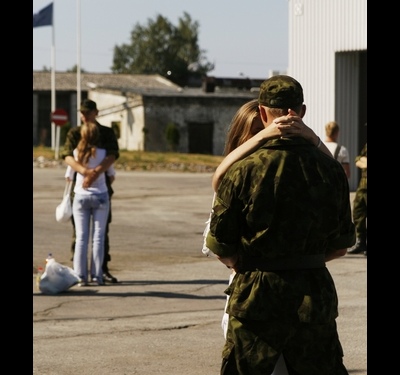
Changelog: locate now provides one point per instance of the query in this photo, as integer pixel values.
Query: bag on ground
(57, 278)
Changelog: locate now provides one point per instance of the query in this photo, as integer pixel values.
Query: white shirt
(99, 185)
(70, 172)
(343, 156)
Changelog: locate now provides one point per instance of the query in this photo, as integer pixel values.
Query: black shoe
(109, 278)
(357, 249)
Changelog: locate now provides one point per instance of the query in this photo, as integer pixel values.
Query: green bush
(172, 134)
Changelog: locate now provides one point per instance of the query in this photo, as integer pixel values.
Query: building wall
(125, 111)
(184, 111)
(327, 49)
(144, 120)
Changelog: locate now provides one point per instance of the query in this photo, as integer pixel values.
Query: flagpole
(53, 83)
(78, 62)
(45, 17)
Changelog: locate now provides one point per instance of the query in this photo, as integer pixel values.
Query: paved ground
(164, 316)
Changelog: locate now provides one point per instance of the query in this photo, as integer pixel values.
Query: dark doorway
(201, 138)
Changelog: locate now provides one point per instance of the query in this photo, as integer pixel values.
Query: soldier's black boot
(106, 273)
(359, 247)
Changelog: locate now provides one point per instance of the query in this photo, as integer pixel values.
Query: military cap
(281, 91)
(87, 105)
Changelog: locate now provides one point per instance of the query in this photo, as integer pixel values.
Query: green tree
(74, 69)
(165, 49)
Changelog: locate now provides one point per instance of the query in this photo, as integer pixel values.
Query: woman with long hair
(90, 207)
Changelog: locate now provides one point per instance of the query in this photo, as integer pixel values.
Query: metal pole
(78, 62)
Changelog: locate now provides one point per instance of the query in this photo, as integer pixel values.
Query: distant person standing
(70, 175)
(360, 206)
(90, 207)
(109, 142)
(339, 152)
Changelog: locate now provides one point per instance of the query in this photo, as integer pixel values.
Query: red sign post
(59, 117)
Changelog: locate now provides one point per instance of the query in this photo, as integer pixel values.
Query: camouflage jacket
(285, 201)
(107, 140)
(363, 180)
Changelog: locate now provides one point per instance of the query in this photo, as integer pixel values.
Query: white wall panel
(318, 29)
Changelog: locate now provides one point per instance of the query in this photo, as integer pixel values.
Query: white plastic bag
(57, 278)
(64, 209)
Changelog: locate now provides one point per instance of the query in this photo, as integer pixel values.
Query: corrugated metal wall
(320, 31)
(347, 102)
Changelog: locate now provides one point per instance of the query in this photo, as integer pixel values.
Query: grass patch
(148, 161)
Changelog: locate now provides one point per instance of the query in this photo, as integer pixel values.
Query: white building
(328, 56)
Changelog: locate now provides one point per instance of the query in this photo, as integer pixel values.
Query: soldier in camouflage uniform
(360, 206)
(279, 215)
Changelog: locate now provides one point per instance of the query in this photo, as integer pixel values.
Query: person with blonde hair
(90, 208)
(339, 152)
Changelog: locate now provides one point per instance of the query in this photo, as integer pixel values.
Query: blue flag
(44, 17)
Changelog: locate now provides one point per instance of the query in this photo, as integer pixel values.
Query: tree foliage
(74, 69)
(165, 49)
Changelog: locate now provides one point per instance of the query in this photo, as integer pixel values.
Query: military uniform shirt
(107, 140)
(284, 201)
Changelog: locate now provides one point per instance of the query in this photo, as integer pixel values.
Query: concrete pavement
(164, 316)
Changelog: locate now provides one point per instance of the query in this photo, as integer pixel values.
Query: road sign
(59, 117)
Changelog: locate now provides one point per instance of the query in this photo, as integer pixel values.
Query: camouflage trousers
(253, 348)
(360, 213)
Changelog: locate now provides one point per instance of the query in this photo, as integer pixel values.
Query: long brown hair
(87, 144)
(240, 127)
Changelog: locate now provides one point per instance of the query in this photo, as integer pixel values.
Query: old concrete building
(140, 107)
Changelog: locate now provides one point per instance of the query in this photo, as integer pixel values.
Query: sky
(243, 38)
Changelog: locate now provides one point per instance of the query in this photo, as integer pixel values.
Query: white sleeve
(205, 250)
(111, 170)
(343, 155)
(69, 173)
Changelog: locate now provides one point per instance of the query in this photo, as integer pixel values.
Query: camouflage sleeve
(109, 141)
(71, 142)
(362, 153)
(224, 237)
